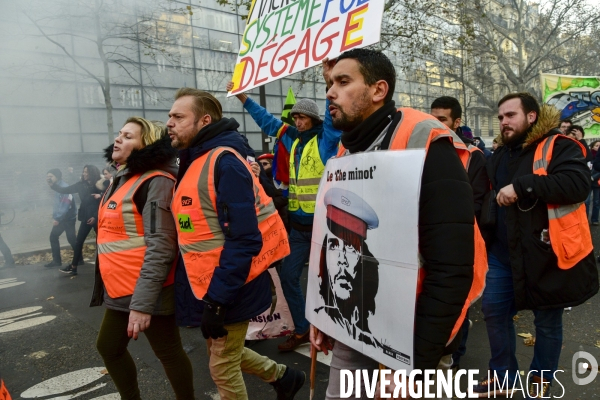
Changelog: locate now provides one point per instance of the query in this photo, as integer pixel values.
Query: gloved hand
(213, 319)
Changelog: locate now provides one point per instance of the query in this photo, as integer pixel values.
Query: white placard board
(283, 37)
(364, 257)
(270, 325)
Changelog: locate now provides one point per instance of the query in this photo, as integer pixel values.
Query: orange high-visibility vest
(417, 130)
(4, 395)
(568, 227)
(121, 244)
(200, 236)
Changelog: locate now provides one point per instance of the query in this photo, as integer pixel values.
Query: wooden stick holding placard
(313, 368)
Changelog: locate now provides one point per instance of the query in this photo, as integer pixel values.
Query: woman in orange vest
(137, 245)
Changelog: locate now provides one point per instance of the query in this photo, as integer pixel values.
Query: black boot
(289, 384)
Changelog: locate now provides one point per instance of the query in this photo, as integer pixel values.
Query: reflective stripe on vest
(199, 233)
(304, 184)
(417, 130)
(121, 244)
(568, 228)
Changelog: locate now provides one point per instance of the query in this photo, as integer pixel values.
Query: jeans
(291, 270)
(498, 306)
(84, 230)
(228, 358)
(595, 205)
(165, 341)
(63, 226)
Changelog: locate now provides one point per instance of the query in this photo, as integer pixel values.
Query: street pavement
(48, 333)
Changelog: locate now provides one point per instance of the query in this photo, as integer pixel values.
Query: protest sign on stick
(577, 98)
(363, 268)
(283, 37)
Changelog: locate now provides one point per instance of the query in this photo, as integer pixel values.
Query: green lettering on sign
(185, 223)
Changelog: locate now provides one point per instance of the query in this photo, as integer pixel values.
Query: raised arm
(74, 188)
(268, 123)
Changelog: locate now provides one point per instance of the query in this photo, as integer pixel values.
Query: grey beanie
(307, 107)
(56, 172)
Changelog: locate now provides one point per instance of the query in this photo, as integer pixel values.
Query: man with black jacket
(360, 94)
(449, 112)
(524, 272)
(196, 127)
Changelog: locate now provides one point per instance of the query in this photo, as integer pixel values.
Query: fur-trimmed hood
(548, 119)
(159, 155)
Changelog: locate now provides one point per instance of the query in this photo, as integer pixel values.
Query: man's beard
(517, 135)
(177, 143)
(347, 121)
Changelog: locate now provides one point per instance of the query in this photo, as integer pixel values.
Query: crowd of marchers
(183, 209)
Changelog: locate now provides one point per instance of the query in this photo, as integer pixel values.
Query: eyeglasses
(265, 163)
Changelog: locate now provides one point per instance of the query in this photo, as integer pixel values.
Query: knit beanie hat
(307, 107)
(56, 172)
(467, 132)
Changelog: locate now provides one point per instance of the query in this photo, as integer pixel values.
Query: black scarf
(361, 137)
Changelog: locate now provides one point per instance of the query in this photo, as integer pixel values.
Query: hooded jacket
(243, 240)
(153, 201)
(89, 204)
(328, 139)
(538, 282)
(64, 207)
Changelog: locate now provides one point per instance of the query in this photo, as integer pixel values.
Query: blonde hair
(204, 103)
(151, 131)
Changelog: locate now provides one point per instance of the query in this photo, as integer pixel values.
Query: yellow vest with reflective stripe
(305, 184)
(199, 233)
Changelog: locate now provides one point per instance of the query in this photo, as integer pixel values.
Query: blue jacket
(243, 239)
(64, 208)
(328, 139)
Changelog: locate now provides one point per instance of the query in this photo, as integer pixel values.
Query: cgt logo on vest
(185, 223)
(112, 205)
(186, 201)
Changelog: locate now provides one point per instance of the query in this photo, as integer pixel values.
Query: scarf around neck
(361, 137)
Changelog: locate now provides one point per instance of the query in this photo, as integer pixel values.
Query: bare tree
(119, 32)
(511, 41)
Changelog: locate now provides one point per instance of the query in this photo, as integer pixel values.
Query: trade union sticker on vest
(283, 37)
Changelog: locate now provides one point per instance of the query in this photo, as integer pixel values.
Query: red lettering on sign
(262, 64)
(327, 40)
(283, 58)
(304, 49)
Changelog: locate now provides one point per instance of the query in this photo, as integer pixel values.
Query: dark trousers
(84, 230)
(462, 347)
(63, 226)
(8, 258)
(164, 338)
(498, 306)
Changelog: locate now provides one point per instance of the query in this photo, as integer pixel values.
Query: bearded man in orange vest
(540, 256)
(229, 232)
(361, 91)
